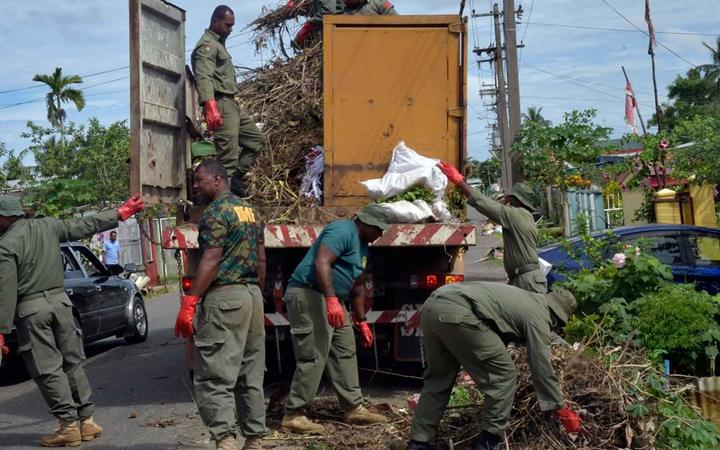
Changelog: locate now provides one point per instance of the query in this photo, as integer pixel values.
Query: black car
(104, 304)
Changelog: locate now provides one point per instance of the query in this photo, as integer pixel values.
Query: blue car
(693, 253)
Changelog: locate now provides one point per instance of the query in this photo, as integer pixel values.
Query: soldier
(32, 293)
(466, 324)
(331, 273)
(230, 326)
(352, 7)
(238, 140)
(520, 233)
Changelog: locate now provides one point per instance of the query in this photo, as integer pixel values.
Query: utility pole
(513, 85)
(504, 128)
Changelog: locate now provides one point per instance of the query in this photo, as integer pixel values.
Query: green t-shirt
(231, 223)
(342, 238)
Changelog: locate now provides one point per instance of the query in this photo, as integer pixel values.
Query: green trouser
(454, 336)
(52, 347)
(319, 347)
(230, 361)
(238, 130)
(533, 281)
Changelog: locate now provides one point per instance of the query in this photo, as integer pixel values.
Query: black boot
(488, 441)
(416, 445)
(237, 185)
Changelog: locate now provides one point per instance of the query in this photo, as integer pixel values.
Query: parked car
(693, 253)
(104, 304)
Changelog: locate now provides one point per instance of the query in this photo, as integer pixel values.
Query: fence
(586, 205)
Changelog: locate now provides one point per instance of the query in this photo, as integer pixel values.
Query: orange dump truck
(386, 79)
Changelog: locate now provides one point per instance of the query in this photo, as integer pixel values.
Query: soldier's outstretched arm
(73, 229)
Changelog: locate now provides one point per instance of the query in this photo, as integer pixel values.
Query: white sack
(408, 212)
(314, 167)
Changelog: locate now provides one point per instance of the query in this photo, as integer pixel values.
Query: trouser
(238, 141)
(230, 361)
(533, 281)
(319, 347)
(51, 345)
(454, 336)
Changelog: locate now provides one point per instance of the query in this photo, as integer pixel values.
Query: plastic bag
(314, 167)
(408, 212)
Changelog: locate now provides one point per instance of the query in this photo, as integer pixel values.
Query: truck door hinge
(457, 27)
(458, 111)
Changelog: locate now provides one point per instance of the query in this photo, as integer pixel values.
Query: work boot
(253, 443)
(66, 435)
(361, 416)
(227, 442)
(299, 423)
(488, 441)
(237, 185)
(417, 445)
(89, 430)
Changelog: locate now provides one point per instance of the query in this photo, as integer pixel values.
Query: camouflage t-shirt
(231, 223)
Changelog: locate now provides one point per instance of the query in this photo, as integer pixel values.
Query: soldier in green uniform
(238, 140)
(331, 273)
(351, 7)
(520, 233)
(229, 330)
(32, 294)
(468, 324)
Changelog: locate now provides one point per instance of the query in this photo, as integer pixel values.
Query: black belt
(524, 269)
(41, 294)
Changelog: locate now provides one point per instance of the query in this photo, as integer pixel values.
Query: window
(665, 248)
(90, 263)
(71, 269)
(705, 250)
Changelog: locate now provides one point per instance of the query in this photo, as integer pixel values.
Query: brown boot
(361, 416)
(89, 430)
(253, 443)
(299, 423)
(226, 443)
(66, 435)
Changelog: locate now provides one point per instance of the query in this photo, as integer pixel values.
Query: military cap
(10, 206)
(562, 303)
(520, 192)
(374, 215)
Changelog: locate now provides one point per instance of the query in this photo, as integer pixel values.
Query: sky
(573, 51)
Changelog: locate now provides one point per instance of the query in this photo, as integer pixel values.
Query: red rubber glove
(213, 118)
(336, 315)
(569, 419)
(183, 324)
(365, 333)
(3, 348)
(290, 5)
(451, 172)
(133, 205)
(302, 35)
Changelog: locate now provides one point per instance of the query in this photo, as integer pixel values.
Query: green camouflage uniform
(468, 324)
(230, 325)
(520, 235)
(32, 293)
(367, 8)
(238, 141)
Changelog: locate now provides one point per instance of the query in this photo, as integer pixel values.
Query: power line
(11, 105)
(572, 80)
(621, 30)
(528, 21)
(90, 75)
(589, 82)
(646, 33)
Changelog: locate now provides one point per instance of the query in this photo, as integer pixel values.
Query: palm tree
(712, 70)
(60, 92)
(534, 115)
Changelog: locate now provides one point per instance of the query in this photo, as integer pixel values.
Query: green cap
(374, 215)
(562, 303)
(520, 192)
(10, 206)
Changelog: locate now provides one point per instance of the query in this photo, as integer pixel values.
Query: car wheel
(139, 323)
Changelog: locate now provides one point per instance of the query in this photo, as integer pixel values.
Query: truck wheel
(138, 324)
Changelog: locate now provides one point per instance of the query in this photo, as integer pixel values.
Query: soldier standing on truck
(520, 233)
(238, 141)
(313, 26)
(32, 293)
(330, 274)
(230, 334)
(468, 324)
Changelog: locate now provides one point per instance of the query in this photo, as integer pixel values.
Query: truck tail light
(432, 281)
(450, 279)
(187, 283)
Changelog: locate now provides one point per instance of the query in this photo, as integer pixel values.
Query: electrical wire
(90, 75)
(621, 30)
(573, 81)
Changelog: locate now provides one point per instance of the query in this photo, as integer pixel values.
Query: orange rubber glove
(451, 172)
(336, 315)
(213, 118)
(133, 205)
(569, 419)
(184, 321)
(365, 333)
(4, 348)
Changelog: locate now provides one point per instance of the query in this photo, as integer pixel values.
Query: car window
(71, 269)
(90, 263)
(665, 248)
(705, 250)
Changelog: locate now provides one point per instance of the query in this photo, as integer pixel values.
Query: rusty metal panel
(389, 79)
(158, 143)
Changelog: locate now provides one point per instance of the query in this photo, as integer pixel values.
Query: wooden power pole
(513, 85)
(505, 137)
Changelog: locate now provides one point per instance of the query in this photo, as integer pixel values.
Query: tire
(138, 326)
